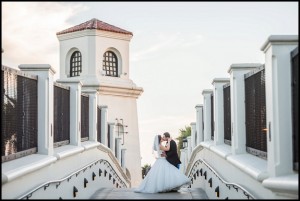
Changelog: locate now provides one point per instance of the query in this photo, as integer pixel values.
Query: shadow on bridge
(128, 193)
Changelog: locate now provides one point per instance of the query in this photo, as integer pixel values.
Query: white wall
(126, 108)
(92, 46)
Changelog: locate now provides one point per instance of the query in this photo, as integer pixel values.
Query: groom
(171, 155)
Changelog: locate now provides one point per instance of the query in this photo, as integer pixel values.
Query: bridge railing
(215, 184)
(79, 184)
(58, 114)
(259, 138)
(19, 114)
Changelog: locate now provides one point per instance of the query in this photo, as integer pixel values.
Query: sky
(177, 48)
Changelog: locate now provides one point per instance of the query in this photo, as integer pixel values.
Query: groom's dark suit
(172, 156)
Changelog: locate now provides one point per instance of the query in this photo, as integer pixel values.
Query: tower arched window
(75, 64)
(110, 64)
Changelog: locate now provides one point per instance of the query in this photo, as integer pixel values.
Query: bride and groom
(164, 175)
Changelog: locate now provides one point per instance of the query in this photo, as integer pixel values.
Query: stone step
(128, 193)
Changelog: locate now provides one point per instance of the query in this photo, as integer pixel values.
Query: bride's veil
(155, 147)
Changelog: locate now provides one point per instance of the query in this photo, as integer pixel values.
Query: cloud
(166, 42)
(29, 31)
(161, 44)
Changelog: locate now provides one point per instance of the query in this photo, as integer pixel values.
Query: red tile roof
(95, 24)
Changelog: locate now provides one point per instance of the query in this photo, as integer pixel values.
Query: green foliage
(145, 170)
(183, 134)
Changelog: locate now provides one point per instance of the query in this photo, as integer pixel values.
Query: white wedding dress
(162, 177)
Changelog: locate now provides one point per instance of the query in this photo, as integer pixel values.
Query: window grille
(75, 64)
(110, 64)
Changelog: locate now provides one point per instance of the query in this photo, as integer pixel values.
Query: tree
(145, 170)
(183, 134)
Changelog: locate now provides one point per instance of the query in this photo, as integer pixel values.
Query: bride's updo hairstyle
(159, 138)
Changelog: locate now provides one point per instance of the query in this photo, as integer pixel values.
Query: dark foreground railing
(295, 107)
(19, 114)
(255, 106)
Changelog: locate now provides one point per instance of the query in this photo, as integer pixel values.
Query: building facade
(97, 54)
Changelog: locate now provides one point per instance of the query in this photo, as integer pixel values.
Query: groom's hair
(166, 134)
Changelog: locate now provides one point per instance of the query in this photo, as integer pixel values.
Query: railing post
(104, 125)
(118, 149)
(186, 158)
(75, 110)
(193, 135)
(123, 162)
(199, 123)
(112, 136)
(92, 114)
(207, 113)
(277, 51)
(45, 104)
(189, 147)
(237, 104)
(219, 109)
(182, 159)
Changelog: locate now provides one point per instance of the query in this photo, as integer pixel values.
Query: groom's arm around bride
(172, 156)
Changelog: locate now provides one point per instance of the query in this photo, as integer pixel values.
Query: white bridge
(243, 145)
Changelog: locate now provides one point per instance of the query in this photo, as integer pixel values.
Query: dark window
(295, 107)
(108, 136)
(75, 64)
(212, 116)
(110, 64)
(84, 117)
(98, 124)
(227, 115)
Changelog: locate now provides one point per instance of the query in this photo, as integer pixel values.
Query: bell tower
(97, 54)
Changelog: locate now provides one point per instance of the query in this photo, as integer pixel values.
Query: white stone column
(45, 104)
(193, 134)
(92, 114)
(277, 51)
(123, 161)
(112, 136)
(207, 113)
(189, 141)
(186, 158)
(218, 84)
(237, 105)
(104, 125)
(182, 159)
(199, 123)
(118, 149)
(75, 110)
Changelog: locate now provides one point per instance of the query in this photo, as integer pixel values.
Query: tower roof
(95, 24)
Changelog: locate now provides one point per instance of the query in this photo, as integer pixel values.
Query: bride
(163, 176)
